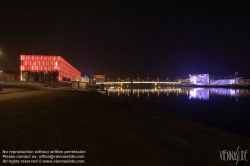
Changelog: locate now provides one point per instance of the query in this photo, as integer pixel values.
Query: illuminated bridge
(138, 84)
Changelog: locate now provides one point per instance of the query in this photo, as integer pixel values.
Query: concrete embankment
(6, 88)
(111, 131)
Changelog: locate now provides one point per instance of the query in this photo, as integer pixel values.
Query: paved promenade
(13, 91)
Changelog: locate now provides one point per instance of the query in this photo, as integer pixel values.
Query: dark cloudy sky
(125, 38)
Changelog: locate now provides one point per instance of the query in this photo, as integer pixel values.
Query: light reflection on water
(209, 106)
(192, 93)
(149, 92)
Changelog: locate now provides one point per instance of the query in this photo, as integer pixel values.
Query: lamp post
(44, 76)
(3, 68)
(33, 81)
(1, 72)
(3, 75)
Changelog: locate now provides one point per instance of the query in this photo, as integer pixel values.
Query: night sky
(166, 39)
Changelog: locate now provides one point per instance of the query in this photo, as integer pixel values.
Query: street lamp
(1, 72)
(44, 76)
(33, 78)
(4, 77)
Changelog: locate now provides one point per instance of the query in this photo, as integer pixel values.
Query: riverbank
(6, 88)
(111, 131)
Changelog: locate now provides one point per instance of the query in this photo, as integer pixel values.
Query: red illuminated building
(47, 68)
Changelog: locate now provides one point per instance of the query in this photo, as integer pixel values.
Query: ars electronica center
(47, 68)
(206, 79)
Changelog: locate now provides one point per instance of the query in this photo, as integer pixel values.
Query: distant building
(84, 84)
(231, 80)
(199, 79)
(98, 78)
(85, 79)
(6, 75)
(206, 79)
(47, 68)
(244, 81)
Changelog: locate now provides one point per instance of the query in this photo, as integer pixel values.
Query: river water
(223, 108)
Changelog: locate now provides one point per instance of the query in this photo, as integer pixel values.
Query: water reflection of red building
(46, 68)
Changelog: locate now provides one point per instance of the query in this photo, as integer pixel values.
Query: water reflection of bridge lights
(156, 91)
(193, 93)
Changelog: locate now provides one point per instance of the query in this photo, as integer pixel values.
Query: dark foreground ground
(110, 131)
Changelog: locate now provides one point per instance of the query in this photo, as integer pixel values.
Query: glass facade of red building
(46, 68)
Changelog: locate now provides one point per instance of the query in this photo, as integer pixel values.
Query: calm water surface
(227, 109)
